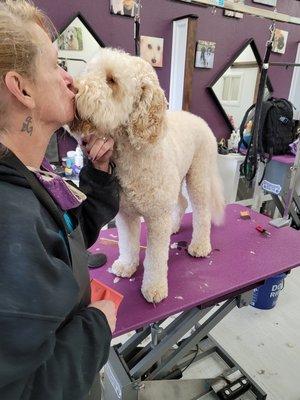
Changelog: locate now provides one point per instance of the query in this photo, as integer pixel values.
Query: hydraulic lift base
(153, 371)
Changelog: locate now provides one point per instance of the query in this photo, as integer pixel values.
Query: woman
(53, 342)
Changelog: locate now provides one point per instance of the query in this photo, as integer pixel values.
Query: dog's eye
(149, 46)
(158, 48)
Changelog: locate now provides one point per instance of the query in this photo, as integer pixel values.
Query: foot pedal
(235, 389)
(231, 385)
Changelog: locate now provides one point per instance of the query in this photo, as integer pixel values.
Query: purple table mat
(241, 258)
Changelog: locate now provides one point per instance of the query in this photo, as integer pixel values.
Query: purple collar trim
(64, 194)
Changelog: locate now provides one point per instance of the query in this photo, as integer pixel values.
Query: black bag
(276, 128)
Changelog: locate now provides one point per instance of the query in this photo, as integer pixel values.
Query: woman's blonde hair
(18, 45)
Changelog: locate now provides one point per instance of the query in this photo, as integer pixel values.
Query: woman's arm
(102, 204)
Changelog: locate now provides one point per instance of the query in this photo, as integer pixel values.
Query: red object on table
(100, 291)
(262, 230)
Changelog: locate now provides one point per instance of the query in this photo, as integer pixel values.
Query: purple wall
(228, 33)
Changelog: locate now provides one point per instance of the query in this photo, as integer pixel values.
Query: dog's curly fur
(155, 151)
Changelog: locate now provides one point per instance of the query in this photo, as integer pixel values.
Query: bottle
(68, 168)
(231, 140)
(71, 156)
(237, 139)
(78, 160)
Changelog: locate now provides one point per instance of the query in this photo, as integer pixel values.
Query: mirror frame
(224, 69)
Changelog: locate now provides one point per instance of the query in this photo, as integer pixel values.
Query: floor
(266, 343)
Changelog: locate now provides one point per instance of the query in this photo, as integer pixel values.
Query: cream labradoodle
(155, 151)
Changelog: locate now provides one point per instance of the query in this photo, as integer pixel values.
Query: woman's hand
(99, 151)
(109, 310)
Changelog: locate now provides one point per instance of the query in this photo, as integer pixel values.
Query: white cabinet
(229, 168)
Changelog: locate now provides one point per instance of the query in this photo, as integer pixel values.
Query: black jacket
(41, 355)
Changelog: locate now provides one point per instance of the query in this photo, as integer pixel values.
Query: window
(231, 88)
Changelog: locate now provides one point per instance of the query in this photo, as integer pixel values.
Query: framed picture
(271, 3)
(127, 8)
(152, 49)
(71, 39)
(205, 53)
(77, 44)
(280, 40)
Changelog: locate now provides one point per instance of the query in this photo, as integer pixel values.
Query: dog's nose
(153, 60)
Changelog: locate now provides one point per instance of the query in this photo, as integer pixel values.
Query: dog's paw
(155, 292)
(123, 270)
(202, 249)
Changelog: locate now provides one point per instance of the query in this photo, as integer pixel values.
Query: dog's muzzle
(82, 127)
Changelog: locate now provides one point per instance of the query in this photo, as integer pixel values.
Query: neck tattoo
(27, 126)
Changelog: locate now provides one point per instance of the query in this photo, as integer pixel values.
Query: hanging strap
(249, 166)
(10, 160)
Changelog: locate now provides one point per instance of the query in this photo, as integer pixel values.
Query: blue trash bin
(265, 296)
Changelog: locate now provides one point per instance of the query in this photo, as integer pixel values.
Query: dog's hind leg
(199, 190)
(179, 211)
(155, 280)
(129, 244)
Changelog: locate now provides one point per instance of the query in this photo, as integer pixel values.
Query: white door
(294, 96)
(180, 29)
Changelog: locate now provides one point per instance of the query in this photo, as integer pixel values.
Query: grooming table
(242, 258)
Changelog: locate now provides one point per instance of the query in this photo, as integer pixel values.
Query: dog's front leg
(155, 280)
(129, 244)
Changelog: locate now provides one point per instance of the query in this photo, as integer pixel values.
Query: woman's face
(53, 90)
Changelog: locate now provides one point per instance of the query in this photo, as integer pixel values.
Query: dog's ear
(146, 122)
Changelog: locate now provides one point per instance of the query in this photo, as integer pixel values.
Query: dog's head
(152, 50)
(120, 93)
(128, 4)
(279, 39)
(71, 35)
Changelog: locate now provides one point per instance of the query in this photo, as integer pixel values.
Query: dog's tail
(217, 195)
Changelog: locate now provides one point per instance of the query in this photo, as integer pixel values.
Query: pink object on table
(241, 259)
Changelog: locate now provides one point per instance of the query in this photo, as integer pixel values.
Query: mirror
(77, 44)
(235, 88)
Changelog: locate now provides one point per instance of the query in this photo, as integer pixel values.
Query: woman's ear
(146, 123)
(19, 88)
